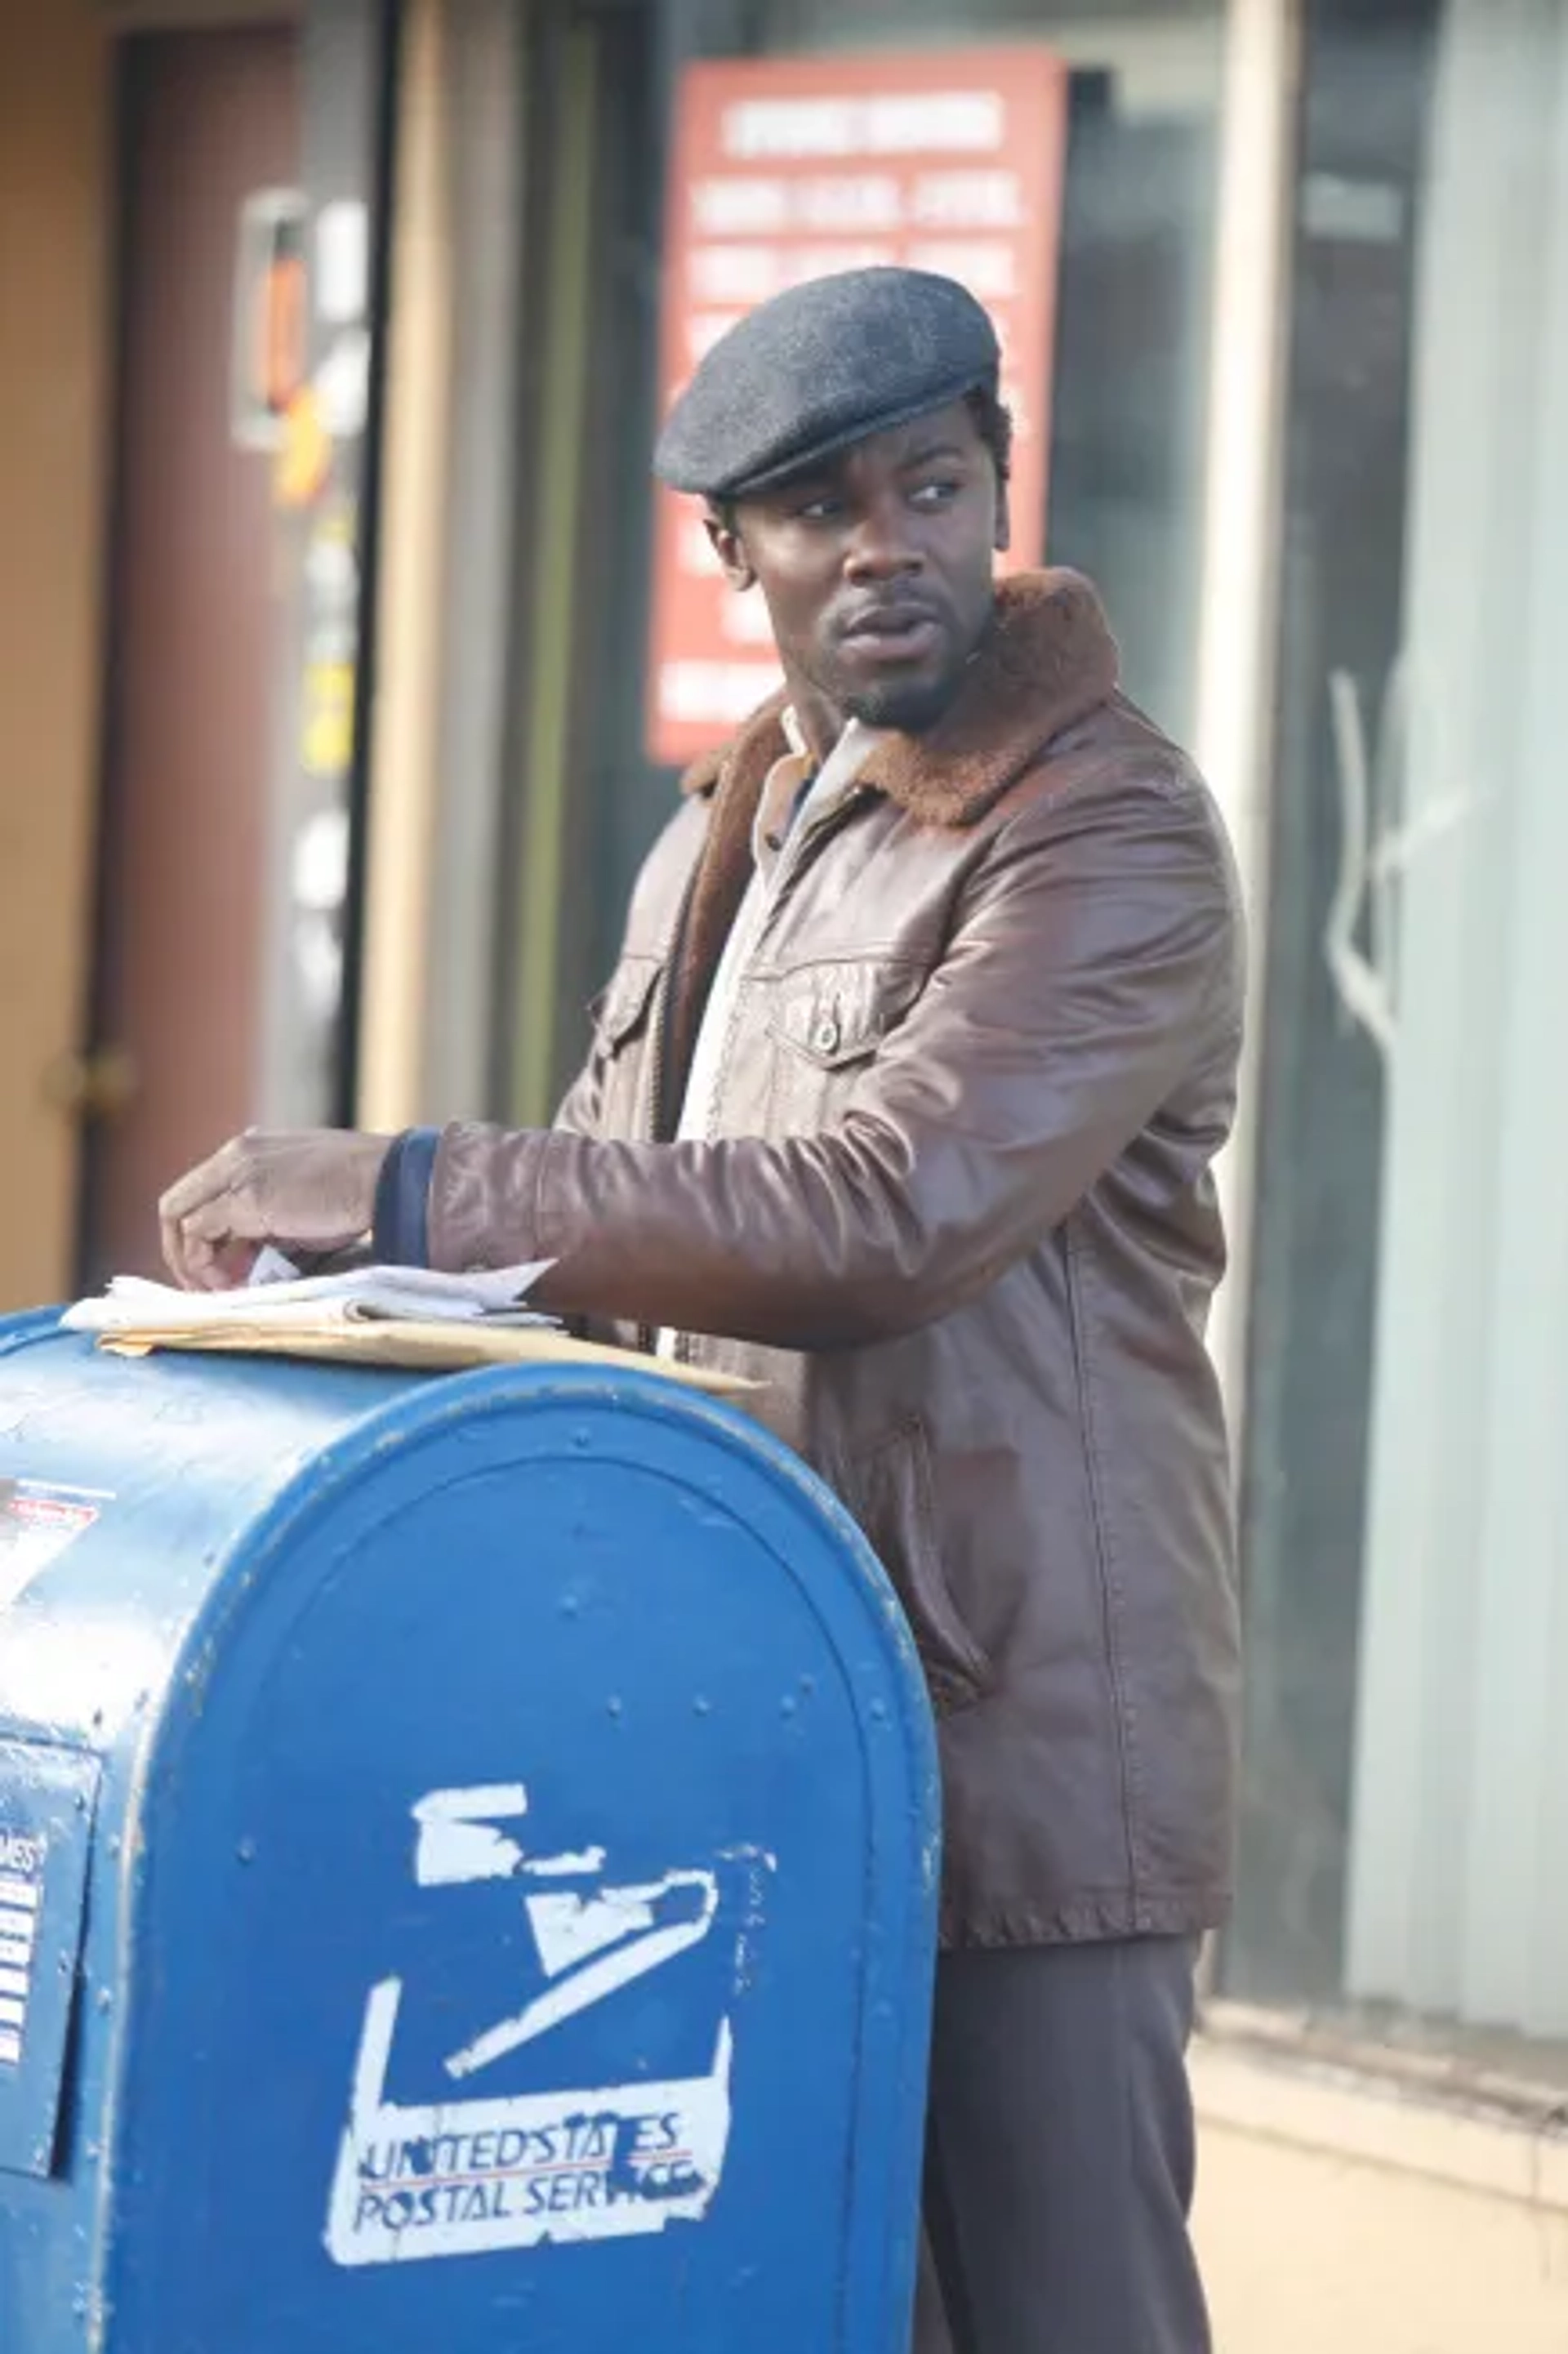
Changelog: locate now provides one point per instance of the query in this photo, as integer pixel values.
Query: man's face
(877, 570)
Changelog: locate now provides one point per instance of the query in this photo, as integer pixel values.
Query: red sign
(787, 169)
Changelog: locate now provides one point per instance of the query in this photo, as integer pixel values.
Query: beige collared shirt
(775, 843)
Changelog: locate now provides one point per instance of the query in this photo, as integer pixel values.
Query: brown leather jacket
(959, 1215)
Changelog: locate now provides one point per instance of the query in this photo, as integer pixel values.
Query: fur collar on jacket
(1046, 661)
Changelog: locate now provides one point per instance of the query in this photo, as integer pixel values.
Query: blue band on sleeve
(402, 1236)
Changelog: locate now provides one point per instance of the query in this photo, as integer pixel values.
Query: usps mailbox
(467, 1870)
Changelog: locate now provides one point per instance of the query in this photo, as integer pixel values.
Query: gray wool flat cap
(821, 367)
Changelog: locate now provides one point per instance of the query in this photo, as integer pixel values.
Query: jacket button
(825, 1036)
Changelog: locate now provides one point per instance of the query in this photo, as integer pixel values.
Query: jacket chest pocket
(828, 1021)
(621, 1015)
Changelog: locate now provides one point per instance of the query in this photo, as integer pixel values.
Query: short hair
(993, 423)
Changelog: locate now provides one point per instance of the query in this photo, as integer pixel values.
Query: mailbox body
(473, 1855)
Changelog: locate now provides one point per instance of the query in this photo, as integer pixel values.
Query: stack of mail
(360, 1294)
(401, 1316)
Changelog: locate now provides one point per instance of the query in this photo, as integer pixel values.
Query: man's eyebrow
(928, 453)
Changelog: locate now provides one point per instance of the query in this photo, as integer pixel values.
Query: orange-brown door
(209, 118)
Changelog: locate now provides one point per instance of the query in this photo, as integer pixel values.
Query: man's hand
(312, 1191)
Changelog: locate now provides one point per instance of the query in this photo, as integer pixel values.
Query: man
(903, 1098)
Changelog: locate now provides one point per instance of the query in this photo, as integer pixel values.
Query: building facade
(332, 808)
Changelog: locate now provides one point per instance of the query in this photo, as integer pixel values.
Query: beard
(906, 707)
(913, 702)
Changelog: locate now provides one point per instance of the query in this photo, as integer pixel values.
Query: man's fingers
(314, 1190)
(188, 1250)
(200, 1267)
(173, 1249)
(234, 1216)
(180, 1260)
(186, 1253)
(199, 1214)
(225, 1267)
(213, 1245)
(220, 1241)
(204, 1183)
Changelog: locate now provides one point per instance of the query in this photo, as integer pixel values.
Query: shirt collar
(777, 808)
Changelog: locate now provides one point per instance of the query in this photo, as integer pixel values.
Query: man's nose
(882, 545)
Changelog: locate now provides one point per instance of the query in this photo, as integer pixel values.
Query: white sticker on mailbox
(21, 1896)
(36, 1522)
(461, 2177)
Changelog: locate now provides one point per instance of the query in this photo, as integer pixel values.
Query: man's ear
(1004, 539)
(724, 539)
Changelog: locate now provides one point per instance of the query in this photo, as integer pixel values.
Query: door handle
(100, 1083)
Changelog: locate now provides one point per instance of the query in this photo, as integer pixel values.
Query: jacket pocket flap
(837, 1013)
(621, 1007)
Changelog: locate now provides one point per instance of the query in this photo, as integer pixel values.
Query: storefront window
(1132, 340)
(1408, 1479)
(1127, 390)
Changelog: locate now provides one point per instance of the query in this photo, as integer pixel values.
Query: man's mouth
(892, 633)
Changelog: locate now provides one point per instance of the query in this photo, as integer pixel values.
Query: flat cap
(821, 367)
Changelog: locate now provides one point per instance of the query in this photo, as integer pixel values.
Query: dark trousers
(1059, 2156)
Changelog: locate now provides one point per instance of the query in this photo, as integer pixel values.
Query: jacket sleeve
(1097, 961)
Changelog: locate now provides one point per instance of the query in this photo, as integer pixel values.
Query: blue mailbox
(468, 1857)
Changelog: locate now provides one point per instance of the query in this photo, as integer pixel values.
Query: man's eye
(936, 494)
(818, 510)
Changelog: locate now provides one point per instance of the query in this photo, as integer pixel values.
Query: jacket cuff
(402, 1229)
(485, 1197)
